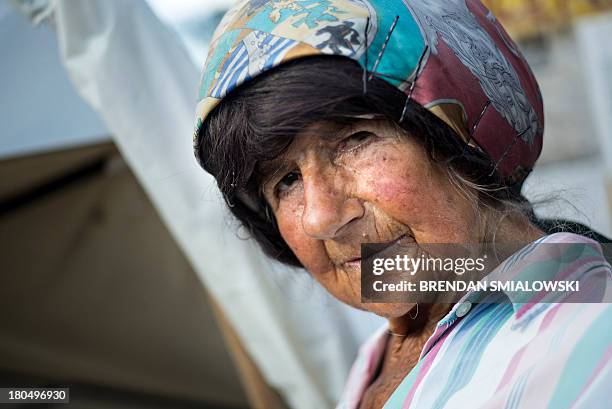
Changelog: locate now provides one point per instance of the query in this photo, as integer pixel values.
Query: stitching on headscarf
(384, 47)
(508, 149)
(471, 136)
(389, 76)
(413, 84)
(482, 113)
(365, 67)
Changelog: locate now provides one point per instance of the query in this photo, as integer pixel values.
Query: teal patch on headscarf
(221, 49)
(404, 48)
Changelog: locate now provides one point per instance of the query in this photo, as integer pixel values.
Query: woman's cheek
(393, 193)
(397, 194)
(311, 252)
(411, 192)
(389, 173)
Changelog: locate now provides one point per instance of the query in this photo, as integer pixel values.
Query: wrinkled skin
(337, 187)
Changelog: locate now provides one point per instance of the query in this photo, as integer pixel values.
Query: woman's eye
(355, 140)
(288, 181)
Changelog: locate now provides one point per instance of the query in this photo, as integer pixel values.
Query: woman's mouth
(355, 262)
(352, 264)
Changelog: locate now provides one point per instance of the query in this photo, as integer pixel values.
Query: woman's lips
(355, 263)
(352, 264)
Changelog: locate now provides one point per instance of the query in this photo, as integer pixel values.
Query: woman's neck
(514, 231)
(421, 319)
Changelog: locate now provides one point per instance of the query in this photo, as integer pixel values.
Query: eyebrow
(266, 170)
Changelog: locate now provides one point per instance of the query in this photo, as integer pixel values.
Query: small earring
(416, 313)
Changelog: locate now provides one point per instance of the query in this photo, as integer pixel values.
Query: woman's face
(339, 186)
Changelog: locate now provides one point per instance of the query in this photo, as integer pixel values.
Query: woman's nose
(327, 207)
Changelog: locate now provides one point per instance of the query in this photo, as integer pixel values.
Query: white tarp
(135, 73)
(593, 33)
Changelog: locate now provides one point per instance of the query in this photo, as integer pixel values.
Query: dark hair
(258, 120)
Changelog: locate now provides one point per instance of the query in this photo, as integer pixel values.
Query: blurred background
(123, 277)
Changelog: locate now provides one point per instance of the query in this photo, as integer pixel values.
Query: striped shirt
(545, 351)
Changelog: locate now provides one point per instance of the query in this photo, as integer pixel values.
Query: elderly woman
(333, 123)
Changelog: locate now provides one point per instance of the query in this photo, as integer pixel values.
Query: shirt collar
(559, 256)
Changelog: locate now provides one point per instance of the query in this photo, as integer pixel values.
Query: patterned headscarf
(451, 56)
